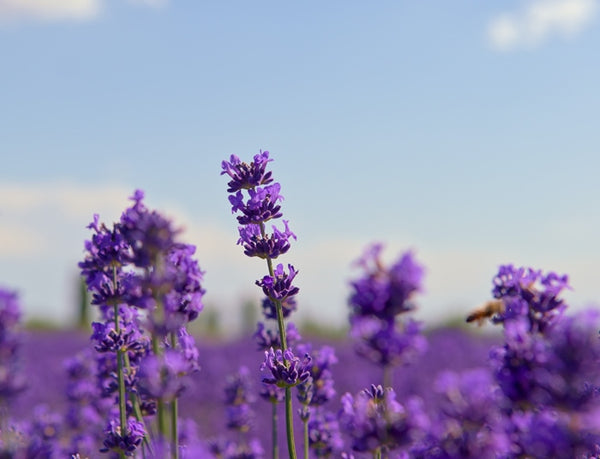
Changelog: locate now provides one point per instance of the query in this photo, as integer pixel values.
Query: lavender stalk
(260, 206)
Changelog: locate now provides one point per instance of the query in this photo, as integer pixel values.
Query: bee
(486, 311)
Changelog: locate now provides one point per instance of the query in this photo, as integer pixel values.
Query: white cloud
(69, 200)
(18, 240)
(48, 10)
(539, 21)
(14, 11)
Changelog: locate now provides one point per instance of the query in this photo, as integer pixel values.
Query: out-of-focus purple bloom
(386, 343)
(42, 433)
(324, 437)
(528, 293)
(185, 298)
(188, 349)
(550, 433)
(12, 379)
(238, 396)
(227, 449)
(557, 368)
(118, 441)
(267, 339)
(385, 292)
(319, 388)
(87, 410)
(284, 369)
(164, 376)
(288, 305)
(470, 424)
(375, 421)
(271, 393)
(148, 233)
(247, 176)
(279, 287)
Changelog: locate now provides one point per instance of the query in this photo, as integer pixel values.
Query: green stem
(305, 428)
(136, 407)
(289, 424)
(274, 431)
(160, 403)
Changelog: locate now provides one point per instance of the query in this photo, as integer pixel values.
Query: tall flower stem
(305, 431)
(120, 374)
(289, 424)
(160, 403)
(136, 407)
(274, 430)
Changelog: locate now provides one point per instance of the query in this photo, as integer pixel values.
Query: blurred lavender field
(44, 353)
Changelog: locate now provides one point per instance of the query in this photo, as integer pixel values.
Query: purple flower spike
(385, 343)
(127, 443)
(286, 370)
(126, 339)
(374, 419)
(261, 206)
(238, 398)
(147, 232)
(385, 292)
(280, 286)
(270, 338)
(246, 176)
(12, 379)
(324, 436)
(529, 293)
(267, 246)
(165, 376)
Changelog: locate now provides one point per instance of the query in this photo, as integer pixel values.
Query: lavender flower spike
(285, 368)
(246, 176)
(279, 287)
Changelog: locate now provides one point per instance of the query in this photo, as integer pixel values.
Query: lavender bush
(142, 386)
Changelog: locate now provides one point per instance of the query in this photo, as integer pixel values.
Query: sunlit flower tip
(94, 224)
(246, 176)
(138, 196)
(284, 368)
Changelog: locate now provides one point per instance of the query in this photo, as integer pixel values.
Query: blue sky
(465, 131)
